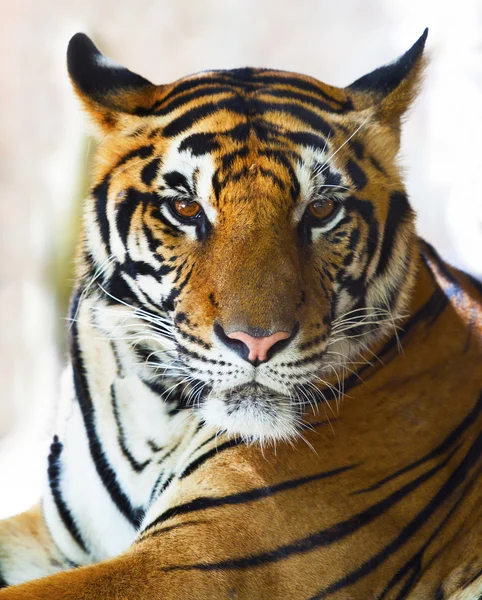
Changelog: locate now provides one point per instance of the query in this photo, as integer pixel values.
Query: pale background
(44, 148)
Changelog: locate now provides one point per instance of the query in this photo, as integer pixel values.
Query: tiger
(274, 386)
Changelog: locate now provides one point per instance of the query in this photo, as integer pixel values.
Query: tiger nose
(258, 346)
(256, 349)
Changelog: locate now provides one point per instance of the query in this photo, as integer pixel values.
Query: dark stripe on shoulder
(455, 480)
(414, 565)
(198, 462)
(54, 475)
(444, 446)
(205, 502)
(322, 538)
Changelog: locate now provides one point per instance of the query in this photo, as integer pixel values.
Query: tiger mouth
(250, 392)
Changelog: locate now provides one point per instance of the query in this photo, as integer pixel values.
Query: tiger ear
(105, 88)
(393, 87)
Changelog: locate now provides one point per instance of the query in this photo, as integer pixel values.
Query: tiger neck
(138, 425)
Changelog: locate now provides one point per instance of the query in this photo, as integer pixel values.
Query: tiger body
(343, 463)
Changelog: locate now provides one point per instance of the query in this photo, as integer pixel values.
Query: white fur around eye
(189, 230)
(317, 232)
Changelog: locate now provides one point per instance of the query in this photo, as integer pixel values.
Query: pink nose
(259, 346)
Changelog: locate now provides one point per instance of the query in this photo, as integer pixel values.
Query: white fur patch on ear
(108, 63)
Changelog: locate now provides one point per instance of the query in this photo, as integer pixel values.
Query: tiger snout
(256, 345)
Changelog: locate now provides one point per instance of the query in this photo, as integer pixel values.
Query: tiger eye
(187, 208)
(321, 209)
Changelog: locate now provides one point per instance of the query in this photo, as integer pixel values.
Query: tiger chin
(249, 257)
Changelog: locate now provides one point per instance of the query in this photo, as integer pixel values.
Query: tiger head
(254, 223)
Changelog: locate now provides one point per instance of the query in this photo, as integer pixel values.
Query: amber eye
(186, 208)
(322, 209)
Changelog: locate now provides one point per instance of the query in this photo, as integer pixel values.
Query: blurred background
(45, 148)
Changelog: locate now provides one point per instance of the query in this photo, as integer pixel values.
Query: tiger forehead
(248, 84)
(261, 131)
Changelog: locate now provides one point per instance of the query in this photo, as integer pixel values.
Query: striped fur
(347, 465)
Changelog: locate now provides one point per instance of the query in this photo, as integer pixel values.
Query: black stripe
(281, 79)
(106, 473)
(192, 116)
(414, 565)
(444, 446)
(164, 530)
(306, 138)
(399, 212)
(194, 339)
(207, 455)
(149, 172)
(205, 91)
(455, 479)
(321, 538)
(303, 114)
(192, 84)
(474, 577)
(277, 181)
(3, 583)
(141, 152)
(155, 491)
(356, 174)
(165, 456)
(205, 502)
(126, 209)
(199, 143)
(54, 472)
(100, 191)
(229, 158)
(280, 158)
(121, 437)
(289, 94)
(377, 165)
(99, 194)
(357, 148)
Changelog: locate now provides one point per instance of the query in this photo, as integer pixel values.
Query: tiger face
(257, 221)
